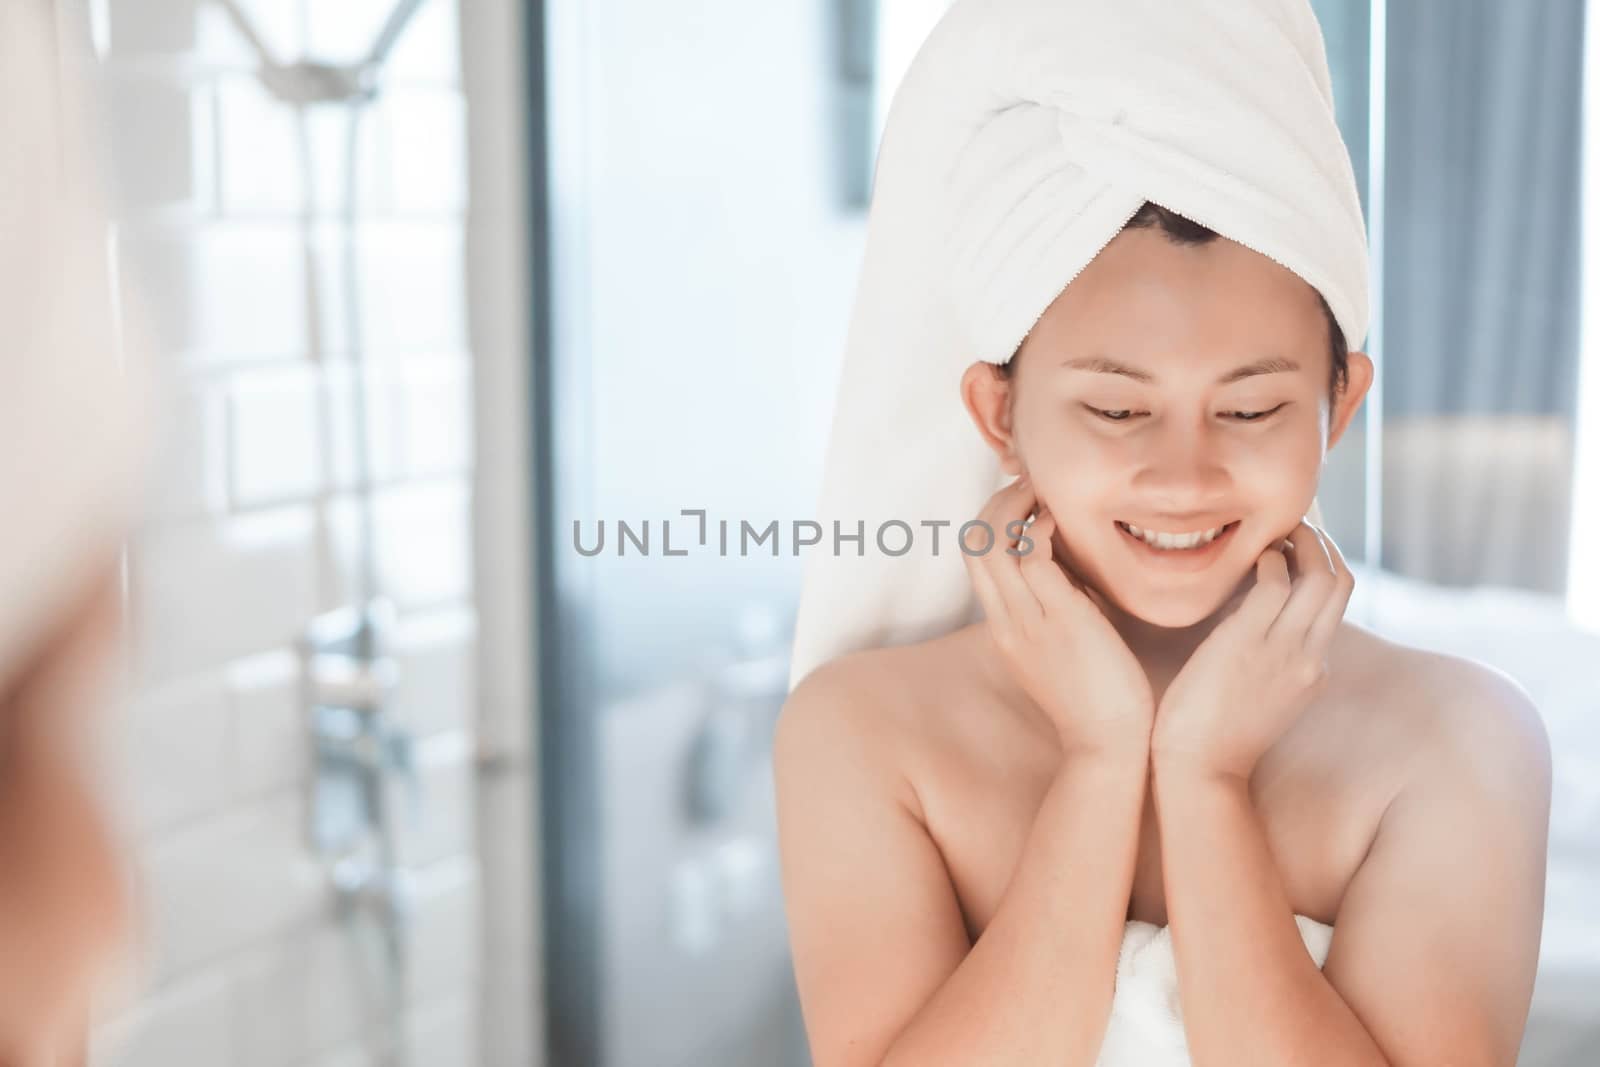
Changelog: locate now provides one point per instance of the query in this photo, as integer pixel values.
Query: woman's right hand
(1054, 637)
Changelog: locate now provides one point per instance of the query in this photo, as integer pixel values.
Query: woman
(1162, 762)
(68, 456)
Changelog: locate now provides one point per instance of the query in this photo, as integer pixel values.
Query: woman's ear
(986, 392)
(1349, 400)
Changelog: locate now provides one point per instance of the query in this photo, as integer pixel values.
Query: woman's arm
(1437, 936)
(1437, 941)
(887, 976)
(1250, 991)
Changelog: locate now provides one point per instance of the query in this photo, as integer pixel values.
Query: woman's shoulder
(891, 679)
(1446, 701)
(879, 703)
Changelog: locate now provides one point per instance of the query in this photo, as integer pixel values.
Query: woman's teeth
(1174, 541)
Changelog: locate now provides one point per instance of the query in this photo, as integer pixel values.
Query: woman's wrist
(1112, 759)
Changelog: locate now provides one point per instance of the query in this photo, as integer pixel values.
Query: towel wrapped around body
(1145, 1028)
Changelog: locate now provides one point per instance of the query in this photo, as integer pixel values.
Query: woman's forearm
(1250, 991)
(1037, 985)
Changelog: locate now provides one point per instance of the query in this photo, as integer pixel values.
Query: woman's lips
(1178, 559)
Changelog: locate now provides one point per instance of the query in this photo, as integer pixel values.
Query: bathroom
(406, 776)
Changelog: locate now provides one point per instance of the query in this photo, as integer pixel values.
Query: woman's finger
(1310, 587)
(1045, 576)
(1319, 559)
(1012, 504)
(994, 605)
(1265, 600)
(1326, 624)
(995, 608)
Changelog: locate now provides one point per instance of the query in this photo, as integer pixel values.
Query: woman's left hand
(1260, 667)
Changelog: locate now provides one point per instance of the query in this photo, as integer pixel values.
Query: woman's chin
(1170, 616)
(1172, 610)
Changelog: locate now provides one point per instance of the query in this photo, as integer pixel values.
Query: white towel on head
(1025, 134)
(70, 441)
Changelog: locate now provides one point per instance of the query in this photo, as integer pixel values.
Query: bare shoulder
(861, 707)
(1460, 713)
(871, 691)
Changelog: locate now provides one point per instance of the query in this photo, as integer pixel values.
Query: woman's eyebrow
(1268, 365)
(1105, 365)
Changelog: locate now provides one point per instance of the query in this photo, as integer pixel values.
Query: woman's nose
(1184, 463)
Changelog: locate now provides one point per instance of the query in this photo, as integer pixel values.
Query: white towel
(1025, 134)
(1145, 1028)
(70, 444)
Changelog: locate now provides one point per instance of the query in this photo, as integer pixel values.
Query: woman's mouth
(1185, 551)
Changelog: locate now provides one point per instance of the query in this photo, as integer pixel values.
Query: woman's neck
(1163, 650)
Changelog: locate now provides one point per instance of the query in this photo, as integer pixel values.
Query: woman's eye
(1124, 414)
(1251, 416)
(1113, 415)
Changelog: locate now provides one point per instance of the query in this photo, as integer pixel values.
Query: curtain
(1480, 343)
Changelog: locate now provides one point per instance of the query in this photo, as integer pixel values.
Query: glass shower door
(707, 169)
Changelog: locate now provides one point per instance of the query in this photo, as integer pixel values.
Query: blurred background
(409, 779)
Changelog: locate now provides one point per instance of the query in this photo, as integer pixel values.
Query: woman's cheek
(1065, 490)
(1278, 481)
(1082, 481)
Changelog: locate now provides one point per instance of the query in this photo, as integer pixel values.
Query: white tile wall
(275, 444)
(412, 298)
(235, 880)
(205, 591)
(268, 749)
(170, 30)
(186, 1022)
(260, 169)
(172, 739)
(167, 125)
(233, 244)
(322, 990)
(219, 291)
(425, 130)
(437, 654)
(191, 477)
(328, 130)
(423, 544)
(419, 421)
(439, 804)
(345, 29)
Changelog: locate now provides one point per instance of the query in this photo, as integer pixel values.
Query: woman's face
(1178, 389)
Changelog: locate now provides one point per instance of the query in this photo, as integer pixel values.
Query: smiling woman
(1031, 801)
